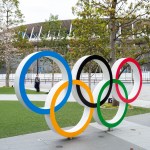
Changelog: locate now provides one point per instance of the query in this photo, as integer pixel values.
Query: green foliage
(112, 29)
(88, 34)
(54, 35)
(22, 44)
(11, 14)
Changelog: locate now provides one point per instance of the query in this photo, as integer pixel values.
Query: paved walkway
(42, 97)
(132, 134)
(32, 97)
(142, 101)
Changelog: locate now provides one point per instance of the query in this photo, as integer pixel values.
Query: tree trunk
(7, 73)
(113, 56)
(113, 34)
(7, 55)
(89, 76)
(112, 40)
(53, 73)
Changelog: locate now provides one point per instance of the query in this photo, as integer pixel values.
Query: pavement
(32, 97)
(142, 101)
(132, 134)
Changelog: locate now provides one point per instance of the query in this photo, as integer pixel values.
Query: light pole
(37, 63)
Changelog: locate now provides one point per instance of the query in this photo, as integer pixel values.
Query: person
(37, 83)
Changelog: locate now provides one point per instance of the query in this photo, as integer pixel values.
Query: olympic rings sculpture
(71, 83)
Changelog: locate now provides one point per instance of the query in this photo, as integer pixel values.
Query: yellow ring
(54, 123)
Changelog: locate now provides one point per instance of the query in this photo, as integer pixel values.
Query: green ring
(103, 121)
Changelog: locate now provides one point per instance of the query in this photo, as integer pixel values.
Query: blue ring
(22, 77)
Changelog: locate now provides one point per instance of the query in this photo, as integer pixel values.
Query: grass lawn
(17, 120)
(11, 90)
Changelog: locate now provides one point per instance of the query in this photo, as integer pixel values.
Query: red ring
(117, 76)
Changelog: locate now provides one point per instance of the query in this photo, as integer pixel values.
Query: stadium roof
(37, 26)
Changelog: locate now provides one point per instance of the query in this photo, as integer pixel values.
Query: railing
(47, 78)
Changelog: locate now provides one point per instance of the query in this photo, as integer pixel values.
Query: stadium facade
(33, 33)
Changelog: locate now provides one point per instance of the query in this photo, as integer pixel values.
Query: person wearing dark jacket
(37, 83)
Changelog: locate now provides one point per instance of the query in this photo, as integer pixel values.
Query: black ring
(92, 57)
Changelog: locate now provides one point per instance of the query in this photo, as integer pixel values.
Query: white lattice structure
(33, 32)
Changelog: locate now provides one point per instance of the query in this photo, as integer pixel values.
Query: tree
(88, 35)
(23, 45)
(121, 27)
(10, 17)
(54, 37)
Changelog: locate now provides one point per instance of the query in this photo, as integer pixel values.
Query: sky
(40, 10)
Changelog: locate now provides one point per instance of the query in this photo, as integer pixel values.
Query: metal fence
(95, 78)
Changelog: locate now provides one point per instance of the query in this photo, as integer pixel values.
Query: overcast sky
(39, 10)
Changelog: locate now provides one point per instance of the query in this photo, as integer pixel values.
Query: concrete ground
(142, 101)
(132, 134)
